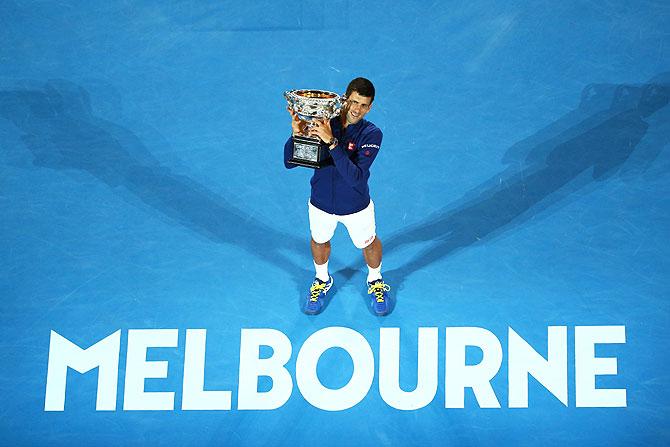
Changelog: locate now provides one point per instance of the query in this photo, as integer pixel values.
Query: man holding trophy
(331, 135)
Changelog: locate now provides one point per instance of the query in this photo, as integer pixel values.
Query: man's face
(357, 107)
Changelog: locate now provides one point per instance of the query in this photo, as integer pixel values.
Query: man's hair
(363, 87)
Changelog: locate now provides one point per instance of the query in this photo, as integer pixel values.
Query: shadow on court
(61, 132)
(602, 136)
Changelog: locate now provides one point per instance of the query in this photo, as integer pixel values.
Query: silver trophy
(311, 105)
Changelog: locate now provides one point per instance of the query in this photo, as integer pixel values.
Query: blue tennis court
(155, 250)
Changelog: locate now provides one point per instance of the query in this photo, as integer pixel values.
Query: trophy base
(309, 152)
(306, 163)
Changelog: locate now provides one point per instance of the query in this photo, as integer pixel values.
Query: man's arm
(358, 173)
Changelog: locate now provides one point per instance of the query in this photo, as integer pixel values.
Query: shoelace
(315, 290)
(378, 289)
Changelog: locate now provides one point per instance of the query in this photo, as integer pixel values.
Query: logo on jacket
(351, 146)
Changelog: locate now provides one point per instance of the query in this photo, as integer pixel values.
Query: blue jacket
(341, 187)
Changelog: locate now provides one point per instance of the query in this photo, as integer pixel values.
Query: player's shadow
(603, 136)
(62, 133)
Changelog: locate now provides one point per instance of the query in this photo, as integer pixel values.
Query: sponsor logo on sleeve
(368, 147)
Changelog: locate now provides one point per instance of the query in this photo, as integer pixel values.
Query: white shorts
(360, 225)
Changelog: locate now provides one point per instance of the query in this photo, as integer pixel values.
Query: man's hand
(321, 129)
(297, 125)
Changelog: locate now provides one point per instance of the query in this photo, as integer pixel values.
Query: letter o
(361, 380)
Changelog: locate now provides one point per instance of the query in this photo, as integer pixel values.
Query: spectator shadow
(61, 132)
(602, 136)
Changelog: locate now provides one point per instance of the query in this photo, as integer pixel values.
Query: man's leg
(320, 252)
(322, 227)
(373, 256)
(362, 230)
(316, 300)
(377, 288)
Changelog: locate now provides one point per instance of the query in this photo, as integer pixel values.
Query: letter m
(103, 355)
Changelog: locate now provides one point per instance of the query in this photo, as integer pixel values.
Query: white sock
(374, 274)
(322, 271)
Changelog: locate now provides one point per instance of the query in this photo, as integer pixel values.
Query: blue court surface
(151, 236)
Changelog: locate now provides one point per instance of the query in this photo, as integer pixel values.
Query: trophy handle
(290, 99)
(343, 103)
(338, 110)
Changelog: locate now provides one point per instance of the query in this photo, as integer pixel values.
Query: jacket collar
(352, 129)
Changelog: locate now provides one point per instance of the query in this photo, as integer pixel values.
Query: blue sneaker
(316, 301)
(378, 292)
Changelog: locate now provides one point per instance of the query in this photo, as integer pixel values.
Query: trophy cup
(310, 105)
